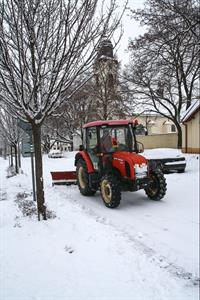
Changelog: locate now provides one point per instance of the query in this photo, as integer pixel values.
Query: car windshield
(116, 138)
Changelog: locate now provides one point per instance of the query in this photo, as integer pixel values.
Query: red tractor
(108, 160)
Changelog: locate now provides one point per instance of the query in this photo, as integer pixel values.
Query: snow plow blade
(63, 177)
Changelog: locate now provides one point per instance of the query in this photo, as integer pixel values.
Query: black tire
(181, 171)
(110, 191)
(83, 179)
(156, 189)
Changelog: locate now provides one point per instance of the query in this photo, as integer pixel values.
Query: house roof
(189, 113)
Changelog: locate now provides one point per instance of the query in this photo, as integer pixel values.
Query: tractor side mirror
(81, 148)
(140, 147)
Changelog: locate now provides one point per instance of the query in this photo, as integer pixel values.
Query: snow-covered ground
(143, 250)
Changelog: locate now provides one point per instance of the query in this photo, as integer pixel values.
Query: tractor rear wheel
(157, 186)
(83, 179)
(110, 191)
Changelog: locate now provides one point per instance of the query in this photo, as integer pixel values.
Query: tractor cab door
(91, 146)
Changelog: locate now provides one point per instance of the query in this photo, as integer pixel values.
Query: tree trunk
(19, 155)
(39, 171)
(5, 150)
(179, 129)
(11, 156)
(105, 112)
(16, 159)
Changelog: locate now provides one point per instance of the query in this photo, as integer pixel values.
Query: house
(58, 145)
(190, 129)
(156, 124)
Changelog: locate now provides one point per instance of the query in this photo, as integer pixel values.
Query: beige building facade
(156, 124)
(191, 130)
(168, 140)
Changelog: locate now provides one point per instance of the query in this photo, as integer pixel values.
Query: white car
(55, 154)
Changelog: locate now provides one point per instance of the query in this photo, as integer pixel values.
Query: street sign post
(29, 149)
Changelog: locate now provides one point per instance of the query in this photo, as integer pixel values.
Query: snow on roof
(143, 113)
(190, 111)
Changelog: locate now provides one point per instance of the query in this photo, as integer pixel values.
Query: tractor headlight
(140, 170)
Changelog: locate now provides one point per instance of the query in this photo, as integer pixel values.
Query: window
(173, 128)
(106, 139)
(115, 138)
(110, 80)
(91, 138)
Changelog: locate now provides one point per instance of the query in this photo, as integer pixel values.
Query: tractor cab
(110, 136)
(102, 139)
(109, 160)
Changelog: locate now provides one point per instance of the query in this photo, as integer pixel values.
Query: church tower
(105, 71)
(105, 66)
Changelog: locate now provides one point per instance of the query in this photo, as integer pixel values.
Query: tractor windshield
(117, 138)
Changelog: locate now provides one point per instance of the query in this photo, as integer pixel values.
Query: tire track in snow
(161, 261)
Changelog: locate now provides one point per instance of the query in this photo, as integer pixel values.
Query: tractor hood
(130, 157)
(129, 164)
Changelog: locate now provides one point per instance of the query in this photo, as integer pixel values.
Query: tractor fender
(83, 155)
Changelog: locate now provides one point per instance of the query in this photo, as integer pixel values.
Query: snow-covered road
(141, 250)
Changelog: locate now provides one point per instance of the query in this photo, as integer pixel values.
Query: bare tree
(44, 46)
(165, 61)
(48, 133)
(69, 118)
(11, 133)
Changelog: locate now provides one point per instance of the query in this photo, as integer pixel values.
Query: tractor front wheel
(110, 191)
(157, 186)
(83, 179)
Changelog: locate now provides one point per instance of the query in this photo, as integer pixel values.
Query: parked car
(170, 165)
(55, 154)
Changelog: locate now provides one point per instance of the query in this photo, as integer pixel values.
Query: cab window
(91, 138)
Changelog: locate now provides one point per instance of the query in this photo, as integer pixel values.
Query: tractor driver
(107, 141)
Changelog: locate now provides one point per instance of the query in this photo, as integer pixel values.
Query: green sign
(25, 126)
(27, 145)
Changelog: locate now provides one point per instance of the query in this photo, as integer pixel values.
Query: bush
(29, 208)
(11, 172)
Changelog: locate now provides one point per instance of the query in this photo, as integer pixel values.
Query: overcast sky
(131, 30)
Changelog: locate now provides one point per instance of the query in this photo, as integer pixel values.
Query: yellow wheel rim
(106, 191)
(81, 178)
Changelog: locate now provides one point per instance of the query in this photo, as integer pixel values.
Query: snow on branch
(45, 46)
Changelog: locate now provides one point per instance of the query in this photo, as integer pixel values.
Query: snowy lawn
(143, 250)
